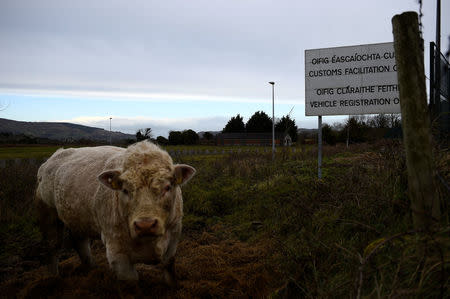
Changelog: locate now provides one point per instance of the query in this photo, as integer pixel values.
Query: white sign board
(351, 80)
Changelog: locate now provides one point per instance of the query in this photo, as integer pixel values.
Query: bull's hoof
(89, 264)
(83, 268)
(128, 275)
(170, 280)
(53, 266)
(173, 284)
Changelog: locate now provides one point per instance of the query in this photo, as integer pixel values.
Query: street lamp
(273, 120)
(110, 136)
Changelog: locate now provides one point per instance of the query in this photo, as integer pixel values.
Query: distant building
(259, 139)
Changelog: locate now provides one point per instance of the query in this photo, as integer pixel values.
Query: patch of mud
(206, 267)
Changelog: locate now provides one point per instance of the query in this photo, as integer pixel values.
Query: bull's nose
(146, 227)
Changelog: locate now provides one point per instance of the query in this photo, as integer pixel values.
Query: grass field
(39, 152)
(27, 152)
(254, 227)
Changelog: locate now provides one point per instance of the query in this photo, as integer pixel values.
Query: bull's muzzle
(147, 227)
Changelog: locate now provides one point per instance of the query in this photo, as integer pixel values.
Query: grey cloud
(228, 48)
(159, 126)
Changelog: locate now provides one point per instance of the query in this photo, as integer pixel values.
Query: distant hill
(59, 131)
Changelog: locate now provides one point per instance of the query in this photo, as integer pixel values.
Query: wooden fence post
(409, 57)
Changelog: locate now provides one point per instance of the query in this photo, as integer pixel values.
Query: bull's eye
(167, 188)
(125, 191)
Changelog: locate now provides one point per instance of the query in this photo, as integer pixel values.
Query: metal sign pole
(273, 120)
(348, 130)
(437, 70)
(320, 147)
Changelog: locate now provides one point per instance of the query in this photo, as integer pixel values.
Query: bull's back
(46, 175)
(68, 182)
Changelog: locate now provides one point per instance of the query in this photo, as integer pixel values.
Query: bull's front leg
(169, 257)
(120, 262)
(83, 248)
(169, 273)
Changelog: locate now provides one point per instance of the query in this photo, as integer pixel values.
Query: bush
(161, 140)
(175, 138)
(329, 135)
(189, 137)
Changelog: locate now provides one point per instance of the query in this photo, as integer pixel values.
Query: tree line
(355, 129)
(186, 137)
(260, 122)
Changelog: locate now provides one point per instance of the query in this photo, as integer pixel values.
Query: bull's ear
(110, 179)
(183, 173)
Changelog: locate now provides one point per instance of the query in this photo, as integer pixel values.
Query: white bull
(131, 198)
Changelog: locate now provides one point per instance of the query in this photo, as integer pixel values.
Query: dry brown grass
(206, 266)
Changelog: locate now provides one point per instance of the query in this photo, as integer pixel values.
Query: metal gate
(439, 92)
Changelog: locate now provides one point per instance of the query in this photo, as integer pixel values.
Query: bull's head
(150, 192)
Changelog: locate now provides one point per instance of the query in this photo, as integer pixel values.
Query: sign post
(351, 80)
(319, 158)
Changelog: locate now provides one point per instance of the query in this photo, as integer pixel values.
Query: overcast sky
(173, 65)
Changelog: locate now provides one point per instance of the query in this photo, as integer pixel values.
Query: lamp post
(110, 136)
(273, 119)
